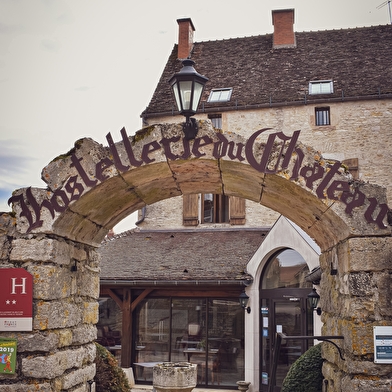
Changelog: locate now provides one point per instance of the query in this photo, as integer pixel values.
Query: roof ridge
(296, 32)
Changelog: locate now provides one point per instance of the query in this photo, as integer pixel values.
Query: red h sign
(16, 300)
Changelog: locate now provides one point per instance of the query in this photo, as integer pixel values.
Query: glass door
(283, 297)
(286, 313)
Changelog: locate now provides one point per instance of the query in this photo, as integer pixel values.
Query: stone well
(174, 377)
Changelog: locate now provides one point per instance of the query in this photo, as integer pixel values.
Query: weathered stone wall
(358, 129)
(361, 295)
(58, 355)
(168, 214)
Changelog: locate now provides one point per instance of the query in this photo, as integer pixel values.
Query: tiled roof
(357, 60)
(179, 255)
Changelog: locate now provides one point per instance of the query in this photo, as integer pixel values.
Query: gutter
(306, 101)
(128, 282)
(314, 276)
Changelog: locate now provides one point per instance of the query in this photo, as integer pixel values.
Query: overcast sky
(81, 68)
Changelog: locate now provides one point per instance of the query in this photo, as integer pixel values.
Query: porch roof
(184, 256)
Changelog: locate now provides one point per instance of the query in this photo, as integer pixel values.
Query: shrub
(109, 376)
(305, 373)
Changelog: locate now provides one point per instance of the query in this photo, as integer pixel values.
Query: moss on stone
(143, 133)
(305, 373)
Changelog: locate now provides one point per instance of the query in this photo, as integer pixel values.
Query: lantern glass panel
(177, 96)
(197, 95)
(186, 94)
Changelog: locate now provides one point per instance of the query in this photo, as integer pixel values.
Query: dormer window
(220, 95)
(321, 87)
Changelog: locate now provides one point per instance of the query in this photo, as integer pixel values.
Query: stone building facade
(269, 82)
(54, 233)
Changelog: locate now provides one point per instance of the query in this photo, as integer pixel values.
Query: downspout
(143, 216)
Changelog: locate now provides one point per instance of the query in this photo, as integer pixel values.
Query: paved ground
(148, 388)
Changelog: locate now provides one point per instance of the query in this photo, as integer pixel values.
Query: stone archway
(54, 234)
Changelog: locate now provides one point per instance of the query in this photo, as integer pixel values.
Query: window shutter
(237, 210)
(353, 167)
(190, 210)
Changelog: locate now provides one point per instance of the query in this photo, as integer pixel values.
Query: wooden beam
(126, 335)
(197, 293)
(140, 298)
(115, 297)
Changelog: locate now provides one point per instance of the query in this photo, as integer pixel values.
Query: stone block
(83, 334)
(40, 341)
(56, 314)
(51, 282)
(360, 284)
(333, 375)
(44, 387)
(90, 312)
(368, 254)
(358, 337)
(54, 365)
(57, 172)
(40, 250)
(366, 383)
(383, 295)
(87, 281)
(76, 377)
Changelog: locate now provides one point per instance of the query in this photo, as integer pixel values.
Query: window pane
(322, 116)
(208, 208)
(217, 122)
(225, 342)
(225, 95)
(325, 87)
(286, 269)
(208, 332)
(220, 95)
(152, 336)
(109, 326)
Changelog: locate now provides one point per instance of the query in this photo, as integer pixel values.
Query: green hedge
(109, 376)
(305, 373)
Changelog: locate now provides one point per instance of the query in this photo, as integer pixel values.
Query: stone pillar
(58, 354)
(356, 292)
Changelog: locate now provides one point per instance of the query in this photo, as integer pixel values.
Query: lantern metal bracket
(190, 128)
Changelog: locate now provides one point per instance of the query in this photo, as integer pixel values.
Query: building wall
(359, 129)
(168, 214)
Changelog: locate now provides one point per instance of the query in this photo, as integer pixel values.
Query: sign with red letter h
(16, 300)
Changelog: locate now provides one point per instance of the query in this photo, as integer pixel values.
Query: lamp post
(243, 298)
(188, 86)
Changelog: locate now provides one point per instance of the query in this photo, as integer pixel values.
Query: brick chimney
(185, 37)
(283, 21)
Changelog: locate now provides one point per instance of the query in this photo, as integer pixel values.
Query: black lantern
(244, 301)
(313, 299)
(188, 87)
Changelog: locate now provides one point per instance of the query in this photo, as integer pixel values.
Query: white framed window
(322, 116)
(216, 120)
(220, 95)
(321, 87)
